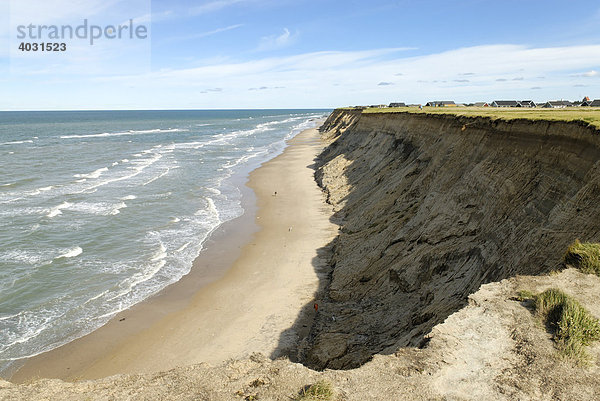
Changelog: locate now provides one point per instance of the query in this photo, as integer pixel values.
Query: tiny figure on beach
(316, 307)
(275, 193)
(290, 229)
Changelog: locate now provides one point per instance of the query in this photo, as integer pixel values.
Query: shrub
(321, 390)
(585, 256)
(572, 325)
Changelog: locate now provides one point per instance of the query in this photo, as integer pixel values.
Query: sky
(227, 54)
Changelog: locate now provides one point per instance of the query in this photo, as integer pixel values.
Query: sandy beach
(245, 290)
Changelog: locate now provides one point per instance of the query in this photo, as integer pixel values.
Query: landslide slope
(433, 206)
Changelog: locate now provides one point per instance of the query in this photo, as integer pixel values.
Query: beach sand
(245, 290)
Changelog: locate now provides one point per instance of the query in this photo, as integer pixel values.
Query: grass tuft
(585, 256)
(320, 391)
(524, 295)
(572, 325)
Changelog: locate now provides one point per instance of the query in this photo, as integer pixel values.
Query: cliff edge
(431, 207)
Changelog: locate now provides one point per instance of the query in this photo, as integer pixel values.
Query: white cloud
(588, 74)
(335, 78)
(275, 42)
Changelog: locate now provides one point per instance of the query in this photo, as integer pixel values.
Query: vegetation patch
(584, 256)
(572, 325)
(320, 391)
(586, 115)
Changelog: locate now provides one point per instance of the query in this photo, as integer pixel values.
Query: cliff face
(433, 206)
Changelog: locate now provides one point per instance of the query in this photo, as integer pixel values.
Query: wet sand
(244, 291)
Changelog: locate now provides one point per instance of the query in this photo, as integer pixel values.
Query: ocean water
(100, 210)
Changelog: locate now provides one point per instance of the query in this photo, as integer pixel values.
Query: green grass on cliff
(572, 325)
(590, 115)
(584, 256)
(320, 391)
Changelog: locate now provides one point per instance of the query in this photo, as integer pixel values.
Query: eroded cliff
(433, 206)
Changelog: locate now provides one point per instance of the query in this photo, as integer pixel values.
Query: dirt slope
(433, 206)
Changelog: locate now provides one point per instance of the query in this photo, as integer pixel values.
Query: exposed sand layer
(243, 312)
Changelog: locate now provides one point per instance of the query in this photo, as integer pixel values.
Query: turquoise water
(99, 210)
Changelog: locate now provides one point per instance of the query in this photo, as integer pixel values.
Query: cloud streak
(202, 34)
(588, 74)
(275, 42)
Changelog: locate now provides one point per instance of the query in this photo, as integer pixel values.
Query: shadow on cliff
(428, 212)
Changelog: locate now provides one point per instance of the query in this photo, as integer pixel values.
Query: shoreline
(247, 263)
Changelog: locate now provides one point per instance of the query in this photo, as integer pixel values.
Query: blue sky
(303, 53)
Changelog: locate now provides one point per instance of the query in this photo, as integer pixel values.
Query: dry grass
(584, 256)
(320, 391)
(572, 325)
(589, 115)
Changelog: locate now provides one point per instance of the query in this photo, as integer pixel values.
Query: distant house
(504, 103)
(399, 104)
(595, 103)
(378, 106)
(527, 103)
(481, 104)
(441, 103)
(557, 104)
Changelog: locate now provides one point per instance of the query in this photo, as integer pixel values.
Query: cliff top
(587, 115)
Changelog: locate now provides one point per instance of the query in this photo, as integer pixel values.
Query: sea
(101, 209)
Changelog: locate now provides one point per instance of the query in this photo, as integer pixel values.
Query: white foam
(175, 220)
(160, 254)
(23, 256)
(157, 177)
(99, 208)
(71, 253)
(96, 297)
(46, 188)
(131, 132)
(117, 208)
(180, 249)
(129, 197)
(141, 165)
(16, 142)
(93, 174)
(55, 211)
